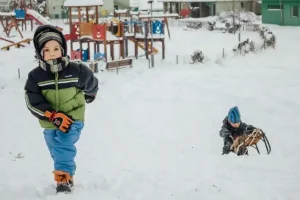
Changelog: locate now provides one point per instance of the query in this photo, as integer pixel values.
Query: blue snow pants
(62, 147)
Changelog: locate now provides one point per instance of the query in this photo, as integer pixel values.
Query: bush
(245, 47)
(268, 37)
(197, 57)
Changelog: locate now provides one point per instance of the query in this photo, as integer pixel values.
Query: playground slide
(142, 46)
(32, 14)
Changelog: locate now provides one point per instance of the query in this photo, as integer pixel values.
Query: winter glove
(226, 149)
(89, 98)
(61, 120)
(248, 130)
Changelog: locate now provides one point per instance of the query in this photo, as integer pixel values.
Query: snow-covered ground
(153, 134)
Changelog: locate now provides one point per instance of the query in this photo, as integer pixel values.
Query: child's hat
(45, 33)
(234, 115)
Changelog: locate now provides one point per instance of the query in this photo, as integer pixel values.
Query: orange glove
(61, 120)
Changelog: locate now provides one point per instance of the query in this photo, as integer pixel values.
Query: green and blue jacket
(60, 91)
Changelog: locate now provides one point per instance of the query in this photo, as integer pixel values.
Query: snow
(159, 15)
(69, 3)
(153, 133)
(7, 14)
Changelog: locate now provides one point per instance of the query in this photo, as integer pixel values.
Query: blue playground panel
(157, 27)
(20, 14)
(85, 55)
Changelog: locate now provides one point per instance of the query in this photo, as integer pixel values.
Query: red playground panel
(76, 55)
(99, 32)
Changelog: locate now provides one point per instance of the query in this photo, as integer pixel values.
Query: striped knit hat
(45, 33)
(47, 36)
(234, 115)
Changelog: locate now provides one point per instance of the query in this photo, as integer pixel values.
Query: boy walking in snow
(232, 128)
(56, 92)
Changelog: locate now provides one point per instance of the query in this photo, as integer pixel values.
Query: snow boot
(63, 181)
(71, 181)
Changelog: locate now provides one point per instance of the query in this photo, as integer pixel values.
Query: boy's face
(52, 50)
(235, 125)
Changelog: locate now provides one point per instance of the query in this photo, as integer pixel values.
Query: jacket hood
(39, 32)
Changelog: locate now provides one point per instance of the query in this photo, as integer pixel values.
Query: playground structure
(92, 38)
(20, 16)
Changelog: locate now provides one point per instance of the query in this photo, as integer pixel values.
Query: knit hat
(46, 33)
(234, 115)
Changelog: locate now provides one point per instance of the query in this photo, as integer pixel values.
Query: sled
(250, 139)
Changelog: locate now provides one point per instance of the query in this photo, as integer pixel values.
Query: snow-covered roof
(74, 3)
(7, 14)
(159, 15)
(121, 11)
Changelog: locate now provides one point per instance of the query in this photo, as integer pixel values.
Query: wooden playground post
(122, 34)
(87, 14)
(166, 21)
(112, 53)
(97, 15)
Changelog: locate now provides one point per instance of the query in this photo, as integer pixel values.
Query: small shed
(284, 12)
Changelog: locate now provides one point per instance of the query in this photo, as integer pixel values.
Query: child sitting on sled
(232, 128)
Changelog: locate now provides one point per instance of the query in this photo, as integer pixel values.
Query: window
(295, 12)
(274, 7)
(242, 5)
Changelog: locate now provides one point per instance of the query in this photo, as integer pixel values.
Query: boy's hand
(89, 99)
(61, 120)
(226, 149)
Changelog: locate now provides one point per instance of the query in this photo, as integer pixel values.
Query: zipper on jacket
(56, 92)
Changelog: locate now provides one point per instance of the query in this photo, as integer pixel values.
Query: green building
(281, 12)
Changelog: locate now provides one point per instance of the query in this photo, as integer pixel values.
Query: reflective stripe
(32, 108)
(59, 82)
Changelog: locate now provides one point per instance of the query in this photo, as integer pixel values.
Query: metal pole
(152, 55)
(240, 21)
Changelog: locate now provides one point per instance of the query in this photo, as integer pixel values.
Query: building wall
(54, 8)
(108, 5)
(3, 2)
(288, 19)
(256, 8)
(122, 4)
(232, 5)
(208, 7)
(280, 16)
